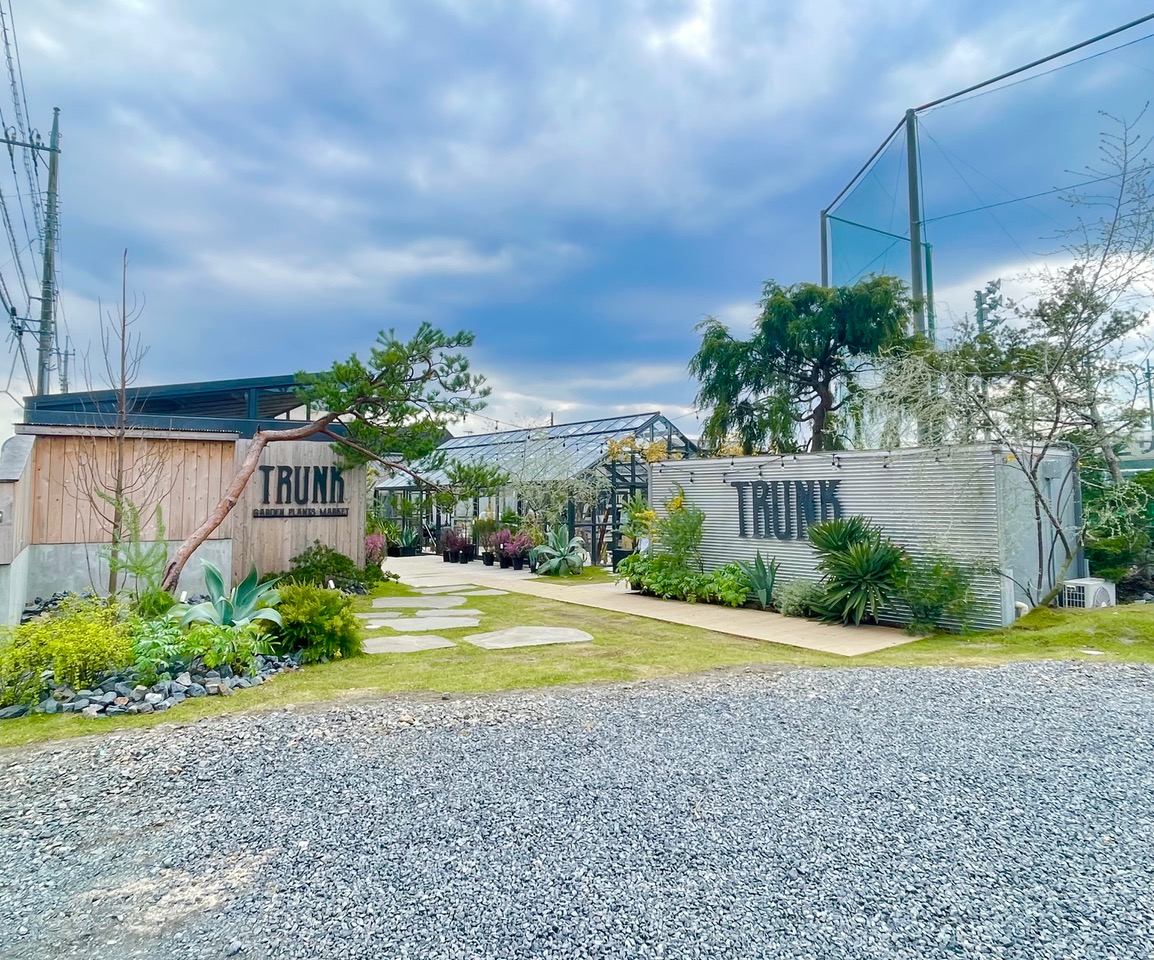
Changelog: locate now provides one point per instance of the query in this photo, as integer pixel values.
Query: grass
(624, 648)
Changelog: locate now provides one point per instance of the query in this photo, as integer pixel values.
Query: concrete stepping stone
(417, 603)
(431, 623)
(405, 644)
(380, 614)
(484, 593)
(527, 637)
(451, 588)
(458, 612)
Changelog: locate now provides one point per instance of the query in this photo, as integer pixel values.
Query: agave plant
(249, 600)
(861, 579)
(761, 578)
(559, 555)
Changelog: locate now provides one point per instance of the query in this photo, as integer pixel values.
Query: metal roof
(227, 406)
(542, 453)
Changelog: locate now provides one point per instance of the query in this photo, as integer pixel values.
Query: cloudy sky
(578, 182)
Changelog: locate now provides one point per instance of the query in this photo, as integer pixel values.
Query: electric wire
(16, 81)
(37, 192)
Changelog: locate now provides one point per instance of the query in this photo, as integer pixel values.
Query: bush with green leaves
(160, 648)
(317, 623)
(320, 563)
(679, 533)
(251, 599)
(78, 641)
(937, 589)
(560, 555)
(237, 646)
(153, 604)
(761, 578)
(799, 598)
(633, 567)
(729, 585)
(862, 569)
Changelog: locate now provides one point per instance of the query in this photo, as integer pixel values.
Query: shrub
(729, 585)
(317, 623)
(937, 588)
(374, 547)
(83, 638)
(160, 648)
(237, 647)
(680, 531)
(633, 567)
(862, 568)
(321, 563)
(153, 604)
(800, 598)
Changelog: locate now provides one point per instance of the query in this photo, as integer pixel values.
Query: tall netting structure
(988, 174)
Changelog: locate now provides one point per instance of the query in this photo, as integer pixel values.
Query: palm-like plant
(250, 600)
(862, 568)
(761, 578)
(559, 555)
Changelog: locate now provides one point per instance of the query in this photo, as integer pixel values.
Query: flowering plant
(499, 541)
(518, 544)
(374, 547)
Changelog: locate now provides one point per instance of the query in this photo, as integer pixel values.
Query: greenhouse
(576, 474)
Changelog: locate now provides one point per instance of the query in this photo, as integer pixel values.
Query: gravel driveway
(810, 813)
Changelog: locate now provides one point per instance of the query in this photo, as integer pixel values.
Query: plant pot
(394, 551)
(464, 557)
(410, 551)
(446, 557)
(454, 556)
(506, 562)
(518, 563)
(487, 559)
(635, 585)
(470, 552)
(618, 556)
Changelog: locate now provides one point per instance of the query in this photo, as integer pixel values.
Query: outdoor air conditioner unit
(1089, 592)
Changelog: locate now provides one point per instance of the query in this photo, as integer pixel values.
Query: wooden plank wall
(272, 542)
(184, 477)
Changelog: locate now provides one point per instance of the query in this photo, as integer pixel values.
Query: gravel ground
(839, 813)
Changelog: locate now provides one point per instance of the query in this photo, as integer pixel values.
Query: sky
(578, 182)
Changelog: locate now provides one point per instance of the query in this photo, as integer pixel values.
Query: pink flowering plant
(374, 547)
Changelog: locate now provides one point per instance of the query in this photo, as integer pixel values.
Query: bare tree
(120, 472)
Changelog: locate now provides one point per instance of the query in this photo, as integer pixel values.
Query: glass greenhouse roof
(545, 453)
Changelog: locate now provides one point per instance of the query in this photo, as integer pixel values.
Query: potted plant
(498, 542)
(410, 542)
(391, 536)
(637, 526)
(518, 548)
(445, 542)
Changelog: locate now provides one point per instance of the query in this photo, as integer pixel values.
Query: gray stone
(73, 706)
(13, 712)
(184, 679)
(123, 689)
(212, 675)
(163, 687)
(432, 623)
(92, 710)
(417, 603)
(178, 688)
(138, 692)
(226, 672)
(153, 698)
(140, 708)
(462, 612)
(196, 690)
(63, 693)
(79, 703)
(528, 637)
(213, 687)
(108, 686)
(107, 698)
(242, 682)
(176, 698)
(115, 711)
(405, 644)
(451, 588)
(85, 694)
(48, 706)
(161, 707)
(226, 689)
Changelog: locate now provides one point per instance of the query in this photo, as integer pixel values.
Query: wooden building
(180, 450)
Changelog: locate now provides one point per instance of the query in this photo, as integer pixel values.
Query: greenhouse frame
(607, 455)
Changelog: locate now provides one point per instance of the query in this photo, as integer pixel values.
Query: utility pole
(48, 281)
(47, 294)
(1150, 398)
(917, 284)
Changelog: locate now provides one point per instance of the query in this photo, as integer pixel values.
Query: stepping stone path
(417, 603)
(449, 589)
(458, 612)
(431, 623)
(381, 615)
(528, 637)
(405, 644)
(485, 593)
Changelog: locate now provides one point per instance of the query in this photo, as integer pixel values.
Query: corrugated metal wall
(924, 500)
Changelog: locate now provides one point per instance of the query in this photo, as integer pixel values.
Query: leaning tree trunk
(233, 494)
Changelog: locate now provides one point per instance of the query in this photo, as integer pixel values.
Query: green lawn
(624, 648)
